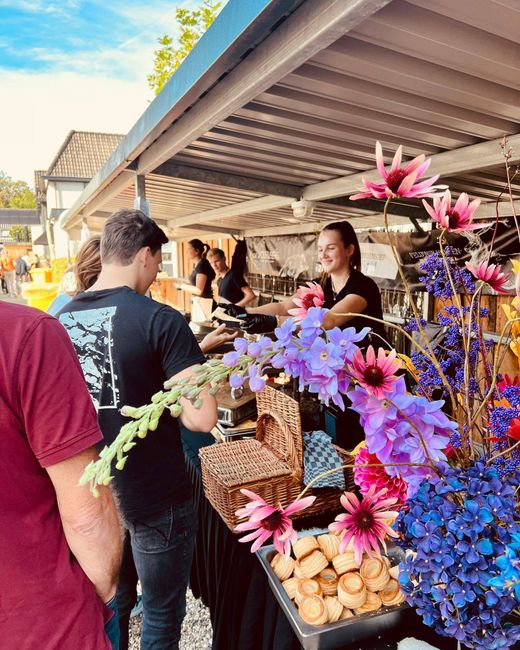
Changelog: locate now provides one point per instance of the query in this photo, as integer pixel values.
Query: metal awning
(19, 217)
(309, 86)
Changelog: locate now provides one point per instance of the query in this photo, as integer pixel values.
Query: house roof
(82, 154)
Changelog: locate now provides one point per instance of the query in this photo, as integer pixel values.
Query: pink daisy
(366, 477)
(266, 521)
(307, 297)
(365, 522)
(376, 375)
(491, 274)
(400, 181)
(458, 218)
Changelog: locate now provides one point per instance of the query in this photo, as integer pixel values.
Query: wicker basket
(270, 465)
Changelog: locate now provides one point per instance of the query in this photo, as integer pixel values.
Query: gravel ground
(196, 628)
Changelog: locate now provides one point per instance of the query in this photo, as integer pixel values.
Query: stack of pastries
(327, 586)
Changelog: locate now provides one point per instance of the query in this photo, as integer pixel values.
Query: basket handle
(292, 456)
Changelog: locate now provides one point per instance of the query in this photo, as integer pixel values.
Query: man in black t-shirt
(232, 286)
(128, 345)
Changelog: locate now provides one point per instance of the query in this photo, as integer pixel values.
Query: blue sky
(73, 64)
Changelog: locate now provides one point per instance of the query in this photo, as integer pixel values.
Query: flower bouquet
(440, 466)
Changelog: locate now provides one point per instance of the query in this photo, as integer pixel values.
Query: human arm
(198, 288)
(249, 296)
(217, 337)
(203, 418)
(274, 308)
(353, 304)
(91, 525)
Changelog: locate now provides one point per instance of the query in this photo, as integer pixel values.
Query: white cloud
(38, 111)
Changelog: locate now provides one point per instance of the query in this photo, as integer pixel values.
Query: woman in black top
(200, 280)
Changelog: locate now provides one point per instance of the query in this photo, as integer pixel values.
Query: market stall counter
(231, 582)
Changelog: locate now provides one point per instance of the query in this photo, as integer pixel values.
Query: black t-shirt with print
(230, 286)
(203, 267)
(360, 285)
(128, 345)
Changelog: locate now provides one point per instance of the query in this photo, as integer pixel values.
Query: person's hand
(258, 323)
(217, 337)
(233, 310)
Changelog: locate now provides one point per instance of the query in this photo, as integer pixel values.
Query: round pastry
(283, 566)
(329, 545)
(344, 562)
(392, 594)
(375, 574)
(352, 592)
(328, 580)
(394, 572)
(371, 604)
(290, 587)
(304, 546)
(312, 564)
(298, 573)
(334, 609)
(347, 613)
(313, 610)
(307, 587)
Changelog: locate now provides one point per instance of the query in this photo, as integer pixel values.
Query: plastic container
(41, 276)
(39, 295)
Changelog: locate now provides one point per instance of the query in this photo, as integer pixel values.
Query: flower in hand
(399, 181)
(490, 274)
(365, 522)
(266, 521)
(375, 374)
(307, 297)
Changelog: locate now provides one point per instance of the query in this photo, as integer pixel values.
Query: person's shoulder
(21, 315)
(359, 279)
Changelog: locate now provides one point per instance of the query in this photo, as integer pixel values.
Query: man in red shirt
(60, 547)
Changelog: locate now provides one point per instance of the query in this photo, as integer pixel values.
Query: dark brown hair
(348, 237)
(88, 263)
(125, 233)
(201, 248)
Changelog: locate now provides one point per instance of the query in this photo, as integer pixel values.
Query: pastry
(290, 587)
(371, 604)
(392, 594)
(352, 592)
(313, 610)
(307, 587)
(304, 546)
(283, 566)
(298, 573)
(312, 564)
(394, 572)
(329, 545)
(347, 613)
(334, 609)
(374, 573)
(344, 562)
(328, 580)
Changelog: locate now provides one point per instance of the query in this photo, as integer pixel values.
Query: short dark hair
(216, 252)
(348, 236)
(125, 233)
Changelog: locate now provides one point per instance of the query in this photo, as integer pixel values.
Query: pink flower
(456, 219)
(305, 299)
(400, 181)
(491, 274)
(376, 375)
(365, 522)
(366, 477)
(265, 520)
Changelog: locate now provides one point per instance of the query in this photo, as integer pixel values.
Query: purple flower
(284, 333)
(240, 345)
(323, 356)
(256, 383)
(231, 359)
(346, 339)
(236, 381)
(312, 325)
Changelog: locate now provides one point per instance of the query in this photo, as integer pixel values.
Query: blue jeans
(158, 551)
(112, 626)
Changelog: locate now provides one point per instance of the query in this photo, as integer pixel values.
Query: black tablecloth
(231, 582)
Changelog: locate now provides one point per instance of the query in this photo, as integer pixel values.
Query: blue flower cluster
(457, 532)
(436, 280)
(318, 358)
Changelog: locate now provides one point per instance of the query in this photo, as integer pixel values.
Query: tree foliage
(192, 23)
(15, 194)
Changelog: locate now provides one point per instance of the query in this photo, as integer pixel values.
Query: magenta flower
(366, 477)
(375, 374)
(265, 520)
(365, 522)
(491, 274)
(307, 297)
(400, 181)
(458, 218)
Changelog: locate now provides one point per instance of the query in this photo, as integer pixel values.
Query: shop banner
(284, 256)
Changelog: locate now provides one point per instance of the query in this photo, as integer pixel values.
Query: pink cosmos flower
(366, 477)
(265, 520)
(376, 375)
(400, 181)
(365, 522)
(457, 218)
(307, 297)
(491, 274)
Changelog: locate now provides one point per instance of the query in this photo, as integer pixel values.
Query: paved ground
(18, 301)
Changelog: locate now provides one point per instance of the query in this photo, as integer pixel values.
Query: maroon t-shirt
(46, 416)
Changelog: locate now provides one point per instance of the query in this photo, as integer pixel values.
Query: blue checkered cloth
(319, 456)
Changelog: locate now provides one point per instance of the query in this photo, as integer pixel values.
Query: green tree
(192, 23)
(15, 194)
(20, 233)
